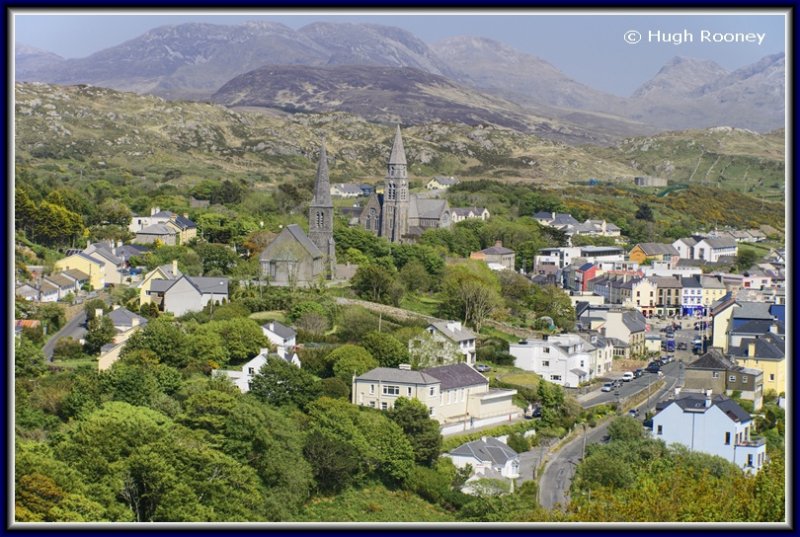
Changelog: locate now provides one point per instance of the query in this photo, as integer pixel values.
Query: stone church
(396, 214)
(294, 258)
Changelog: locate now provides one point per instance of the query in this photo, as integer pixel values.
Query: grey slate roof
(300, 236)
(77, 274)
(599, 250)
(497, 250)
(691, 282)
(89, 258)
(282, 330)
(665, 282)
(714, 359)
(617, 342)
(492, 450)
(658, 248)
(462, 335)
(721, 243)
(183, 222)
(634, 321)
(167, 269)
(426, 208)
(564, 219)
(161, 286)
(769, 347)
(696, 402)
(389, 374)
(688, 241)
(752, 310)
(456, 376)
(157, 229)
(443, 180)
(124, 317)
(60, 281)
(100, 251)
(758, 326)
(206, 285)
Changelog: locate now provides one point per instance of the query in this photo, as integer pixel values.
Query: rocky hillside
(67, 133)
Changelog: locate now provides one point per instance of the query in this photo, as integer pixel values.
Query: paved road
(558, 473)
(75, 328)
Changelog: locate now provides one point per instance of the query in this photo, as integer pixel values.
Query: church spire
(398, 155)
(322, 184)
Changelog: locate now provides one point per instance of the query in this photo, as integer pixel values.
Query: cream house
(453, 393)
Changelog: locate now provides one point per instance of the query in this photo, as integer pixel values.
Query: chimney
(134, 322)
(773, 328)
(498, 243)
(677, 391)
(115, 307)
(708, 398)
(186, 215)
(751, 349)
(155, 210)
(174, 267)
(264, 351)
(404, 367)
(454, 326)
(552, 216)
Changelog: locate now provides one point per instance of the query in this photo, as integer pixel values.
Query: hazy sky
(590, 48)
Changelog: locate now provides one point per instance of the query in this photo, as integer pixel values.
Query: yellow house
(767, 354)
(720, 323)
(87, 264)
(164, 272)
(654, 251)
(713, 290)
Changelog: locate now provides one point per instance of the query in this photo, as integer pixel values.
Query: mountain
(193, 61)
(690, 93)
(387, 95)
(372, 44)
(679, 78)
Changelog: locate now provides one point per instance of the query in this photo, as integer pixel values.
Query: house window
(371, 389)
(384, 405)
(732, 378)
(432, 391)
(372, 404)
(408, 390)
(546, 350)
(391, 390)
(430, 410)
(660, 429)
(744, 378)
(750, 460)
(251, 370)
(727, 439)
(772, 376)
(555, 377)
(545, 363)
(715, 374)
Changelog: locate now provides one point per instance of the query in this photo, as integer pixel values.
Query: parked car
(618, 383)
(634, 412)
(653, 368)
(627, 376)
(607, 387)
(638, 373)
(682, 346)
(482, 368)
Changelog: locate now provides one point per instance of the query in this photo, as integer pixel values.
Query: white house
(186, 294)
(487, 456)
(714, 425)
(711, 250)
(241, 378)
(454, 333)
(564, 359)
(468, 213)
(283, 337)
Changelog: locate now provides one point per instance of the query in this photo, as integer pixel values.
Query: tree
(67, 349)
(353, 361)
(91, 307)
(55, 225)
(470, 292)
(280, 383)
(746, 259)
(242, 337)
(100, 332)
(164, 338)
(550, 301)
(334, 463)
(113, 212)
(518, 443)
(644, 212)
(377, 284)
(28, 358)
(386, 349)
(422, 432)
(625, 428)
(415, 277)
(217, 257)
(52, 316)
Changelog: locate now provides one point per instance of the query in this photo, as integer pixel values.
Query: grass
(490, 331)
(275, 315)
(74, 364)
(373, 503)
(420, 304)
(521, 378)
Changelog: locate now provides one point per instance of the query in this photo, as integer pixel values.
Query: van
(627, 376)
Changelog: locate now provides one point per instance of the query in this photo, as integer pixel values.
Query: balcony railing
(754, 442)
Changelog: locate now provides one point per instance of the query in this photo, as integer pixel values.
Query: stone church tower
(395, 193)
(320, 215)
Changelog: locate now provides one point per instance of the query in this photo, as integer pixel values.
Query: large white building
(711, 424)
(565, 359)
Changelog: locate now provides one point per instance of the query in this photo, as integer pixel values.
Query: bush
(518, 443)
(335, 388)
(68, 349)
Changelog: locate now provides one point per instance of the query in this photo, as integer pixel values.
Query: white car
(627, 376)
(607, 387)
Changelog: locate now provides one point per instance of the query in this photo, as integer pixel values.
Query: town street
(75, 328)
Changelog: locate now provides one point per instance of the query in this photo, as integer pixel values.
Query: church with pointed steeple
(294, 258)
(396, 214)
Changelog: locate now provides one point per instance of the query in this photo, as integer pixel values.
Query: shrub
(518, 443)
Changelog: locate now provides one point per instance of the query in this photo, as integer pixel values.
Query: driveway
(75, 328)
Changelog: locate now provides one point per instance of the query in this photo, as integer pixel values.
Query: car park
(607, 387)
